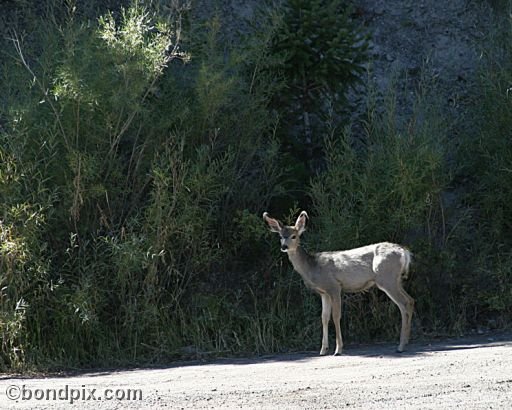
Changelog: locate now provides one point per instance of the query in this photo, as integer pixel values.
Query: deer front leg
(336, 318)
(326, 316)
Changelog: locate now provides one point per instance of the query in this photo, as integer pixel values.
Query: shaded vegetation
(139, 148)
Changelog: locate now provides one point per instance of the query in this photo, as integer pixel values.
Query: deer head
(289, 235)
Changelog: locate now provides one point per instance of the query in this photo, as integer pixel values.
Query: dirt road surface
(468, 373)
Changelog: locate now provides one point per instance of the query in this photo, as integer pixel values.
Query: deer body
(356, 270)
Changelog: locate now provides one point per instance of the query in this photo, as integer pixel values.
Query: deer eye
(293, 236)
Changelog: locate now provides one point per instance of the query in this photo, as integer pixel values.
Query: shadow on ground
(416, 348)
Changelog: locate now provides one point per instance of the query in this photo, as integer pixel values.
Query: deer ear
(300, 224)
(274, 224)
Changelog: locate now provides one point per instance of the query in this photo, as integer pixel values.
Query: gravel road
(467, 373)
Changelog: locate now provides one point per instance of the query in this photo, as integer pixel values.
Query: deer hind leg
(336, 318)
(410, 310)
(326, 316)
(406, 305)
(388, 271)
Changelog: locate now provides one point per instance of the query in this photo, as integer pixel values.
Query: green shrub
(132, 186)
(323, 53)
(485, 159)
(123, 177)
(385, 186)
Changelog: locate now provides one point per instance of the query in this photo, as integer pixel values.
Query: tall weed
(383, 185)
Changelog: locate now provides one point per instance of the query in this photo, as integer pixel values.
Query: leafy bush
(323, 53)
(385, 185)
(137, 153)
(122, 177)
(485, 160)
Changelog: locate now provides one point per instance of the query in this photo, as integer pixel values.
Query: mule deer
(356, 270)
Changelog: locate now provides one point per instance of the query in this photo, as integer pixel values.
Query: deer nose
(284, 247)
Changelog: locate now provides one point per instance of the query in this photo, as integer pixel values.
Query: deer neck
(302, 261)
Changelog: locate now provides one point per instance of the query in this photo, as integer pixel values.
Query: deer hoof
(323, 351)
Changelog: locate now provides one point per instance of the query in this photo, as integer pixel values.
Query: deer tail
(406, 260)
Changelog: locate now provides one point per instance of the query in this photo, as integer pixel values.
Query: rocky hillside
(435, 40)
(439, 40)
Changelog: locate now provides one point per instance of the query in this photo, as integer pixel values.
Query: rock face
(438, 40)
(410, 39)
